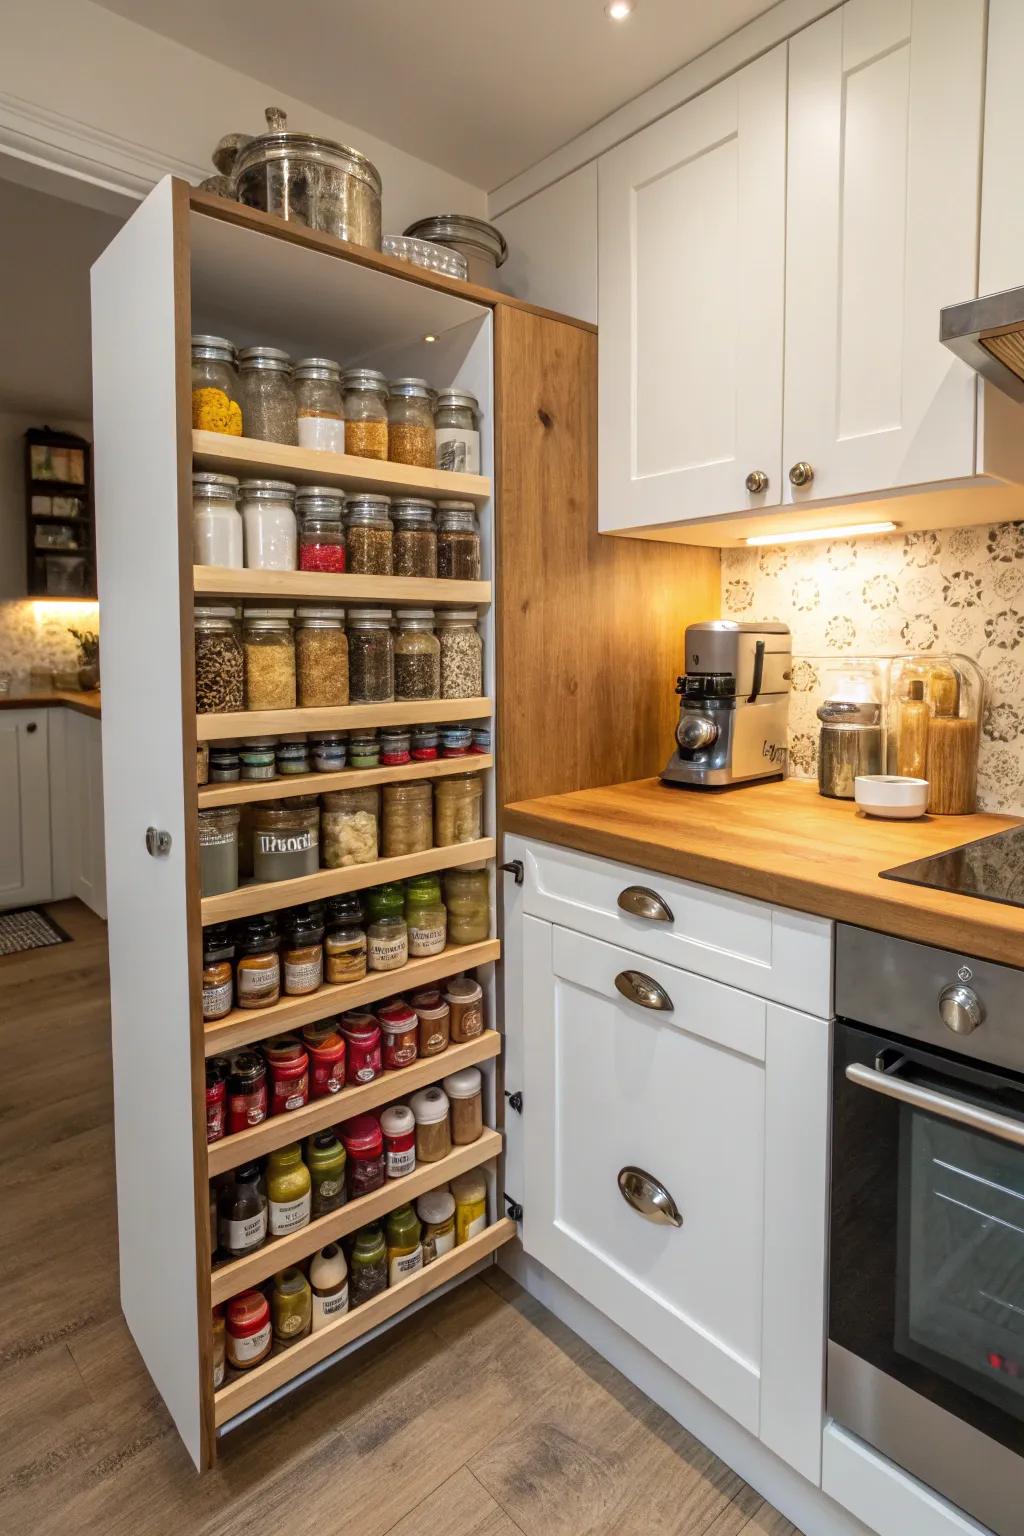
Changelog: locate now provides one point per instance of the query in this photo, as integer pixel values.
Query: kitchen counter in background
(86, 701)
(786, 844)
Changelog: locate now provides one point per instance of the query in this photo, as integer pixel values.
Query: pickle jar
(458, 541)
(369, 535)
(321, 658)
(415, 537)
(458, 809)
(366, 413)
(318, 405)
(371, 659)
(462, 656)
(269, 659)
(220, 662)
(457, 432)
(411, 423)
(215, 399)
(267, 398)
(407, 818)
(417, 655)
(467, 899)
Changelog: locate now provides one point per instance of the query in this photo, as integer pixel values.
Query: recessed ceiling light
(430, 338)
(618, 10)
(802, 535)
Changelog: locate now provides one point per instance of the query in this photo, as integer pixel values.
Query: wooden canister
(952, 765)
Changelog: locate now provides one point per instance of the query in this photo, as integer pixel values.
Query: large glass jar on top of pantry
(415, 538)
(216, 520)
(220, 666)
(462, 663)
(417, 655)
(366, 413)
(369, 534)
(457, 431)
(321, 657)
(267, 398)
(321, 417)
(320, 509)
(268, 517)
(215, 406)
(371, 660)
(269, 658)
(411, 423)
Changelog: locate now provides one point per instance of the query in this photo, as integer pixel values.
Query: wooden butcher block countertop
(786, 844)
(85, 702)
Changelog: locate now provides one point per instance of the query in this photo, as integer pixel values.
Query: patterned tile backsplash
(36, 634)
(961, 589)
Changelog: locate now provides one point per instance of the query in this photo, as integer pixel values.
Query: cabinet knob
(158, 843)
(756, 482)
(641, 901)
(32, 727)
(802, 473)
(648, 1197)
(638, 988)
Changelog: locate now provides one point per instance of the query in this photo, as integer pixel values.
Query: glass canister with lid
(462, 654)
(268, 517)
(407, 816)
(466, 895)
(267, 398)
(349, 827)
(417, 655)
(458, 541)
(411, 423)
(269, 658)
(218, 850)
(425, 916)
(321, 657)
(371, 659)
(458, 809)
(215, 403)
(220, 664)
(366, 413)
(321, 417)
(457, 431)
(285, 839)
(415, 536)
(310, 180)
(369, 535)
(216, 520)
(320, 510)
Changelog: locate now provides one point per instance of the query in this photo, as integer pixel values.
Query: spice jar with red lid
(326, 1049)
(398, 1126)
(247, 1092)
(288, 1063)
(400, 1027)
(216, 1098)
(247, 1330)
(364, 1151)
(433, 1016)
(362, 1037)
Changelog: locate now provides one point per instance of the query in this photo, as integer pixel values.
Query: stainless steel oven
(926, 1276)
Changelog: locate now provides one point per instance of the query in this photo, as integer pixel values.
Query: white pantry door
(691, 253)
(885, 109)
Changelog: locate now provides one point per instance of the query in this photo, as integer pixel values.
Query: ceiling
(481, 90)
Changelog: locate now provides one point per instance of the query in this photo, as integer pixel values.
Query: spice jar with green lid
(385, 899)
(436, 1210)
(267, 396)
(425, 915)
(405, 1251)
(363, 749)
(291, 1306)
(368, 1266)
(289, 1190)
(325, 1159)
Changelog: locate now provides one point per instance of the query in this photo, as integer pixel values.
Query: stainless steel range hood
(988, 333)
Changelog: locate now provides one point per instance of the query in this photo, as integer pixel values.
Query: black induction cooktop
(991, 868)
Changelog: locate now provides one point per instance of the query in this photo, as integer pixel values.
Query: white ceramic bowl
(891, 794)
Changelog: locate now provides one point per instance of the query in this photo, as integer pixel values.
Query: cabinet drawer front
(775, 953)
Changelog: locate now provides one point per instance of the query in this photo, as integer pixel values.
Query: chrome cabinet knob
(641, 901)
(756, 482)
(638, 988)
(648, 1197)
(801, 473)
(695, 732)
(960, 1009)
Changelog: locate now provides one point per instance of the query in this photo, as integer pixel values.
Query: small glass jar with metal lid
(321, 656)
(267, 397)
(363, 745)
(215, 401)
(417, 655)
(462, 655)
(220, 666)
(328, 750)
(321, 416)
(458, 541)
(371, 657)
(257, 757)
(268, 517)
(411, 423)
(269, 645)
(369, 535)
(291, 755)
(366, 413)
(320, 509)
(216, 520)
(394, 746)
(415, 540)
(457, 431)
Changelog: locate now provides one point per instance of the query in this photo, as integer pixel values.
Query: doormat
(28, 928)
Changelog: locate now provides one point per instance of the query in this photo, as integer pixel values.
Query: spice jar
(457, 432)
(268, 518)
(411, 423)
(247, 1092)
(288, 1065)
(216, 520)
(395, 742)
(424, 743)
(215, 406)
(434, 1020)
(224, 763)
(405, 1251)
(399, 1131)
(456, 739)
(364, 1150)
(415, 537)
(363, 746)
(458, 541)
(465, 999)
(368, 1266)
(462, 654)
(258, 970)
(302, 953)
(218, 973)
(291, 756)
(458, 809)
(371, 663)
(269, 658)
(328, 1280)
(256, 755)
(321, 655)
(267, 398)
(289, 1190)
(470, 1192)
(216, 1099)
(345, 952)
(247, 1330)
(408, 818)
(220, 666)
(399, 1026)
(369, 535)
(348, 823)
(433, 1124)
(325, 1159)
(321, 421)
(242, 1212)
(466, 897)
(465, 1094)
(218, 850)
(436, 1210)
(291, 1307)
(425, 916)
(387, 942)
(362, 1037)
(417, 655)
(481, 740)
(321, 531)
(285, 840)
(220, 1357)
(327, 749)
(366, 413)
(326, 1049)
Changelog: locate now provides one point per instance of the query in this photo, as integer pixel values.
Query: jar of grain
(267, 398)
(434, 1017)
(457, 432)
(415, 540)
(368, 535)
(417, 655)
(465, 999)
(407, 818)
(320, 510)
(321, 657)
(458, 541)
(220, 663)
(433, 1125)
(366, 413)
(411, 423)
(215, 406)
(216, 520)
(321, 419)
(371, 659)
(269, 658)
(285, 840)
(348, 823)
(462, 654)
(467, 900)
(458, 809)
(268, 518)
(218, 850)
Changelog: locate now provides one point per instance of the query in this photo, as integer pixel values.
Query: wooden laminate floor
(480, 1416)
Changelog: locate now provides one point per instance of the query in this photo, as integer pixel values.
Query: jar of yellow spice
(269, 646)
(215, 406)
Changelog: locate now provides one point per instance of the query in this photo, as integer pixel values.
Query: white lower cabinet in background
(25, 873)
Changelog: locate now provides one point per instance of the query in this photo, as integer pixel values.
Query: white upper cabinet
(691, 242)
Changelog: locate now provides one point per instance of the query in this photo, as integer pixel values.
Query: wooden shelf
(279, 1130)
(247, 457)
(323, 586)
(245, 1390)
(248, 791)
(242, 1026)
(274, 895)
(347, 717)
(239, 1274)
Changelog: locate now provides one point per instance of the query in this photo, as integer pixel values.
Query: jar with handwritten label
(285, 840)
(289, 1190)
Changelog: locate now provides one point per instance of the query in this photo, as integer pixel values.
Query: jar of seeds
(220, 666)
(410, 423)
(415, 540)
(369, 535)
(417, 655)
(366, 413)
(458, 541)
(457, 431)
(269, 658)
(321, 657)
(462, 664)
(371, 661)
(265, 388)
(321, 417)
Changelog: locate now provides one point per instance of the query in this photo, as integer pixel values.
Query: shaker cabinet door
(25, 868)
(885, 108)
(691, 221)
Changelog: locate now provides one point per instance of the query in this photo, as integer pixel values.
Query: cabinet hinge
(515, 1101)
(515, 1210)
(515, 867)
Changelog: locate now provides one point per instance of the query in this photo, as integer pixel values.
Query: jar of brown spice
(433, 1127)
(434, 1017)
(465, 998)
(465, 1095)
(369, 535)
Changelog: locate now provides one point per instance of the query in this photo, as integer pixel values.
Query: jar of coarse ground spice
(258, 970)
(433, 1016)
(218, 972)
(321, 657)
(400, 1027)
(433, 1124)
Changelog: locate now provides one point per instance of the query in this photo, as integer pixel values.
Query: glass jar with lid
(328, 750)
(425, 916)
(366, 413)
(216, 520)
(407, 818)
(369, 535)
(220, 663)
(320, 509)
(458, 809)
(363, 745)
(371, 659)
(267, 398)
(417, 655)
(321, 657)
(348, 822)
(225, 765)
(256, 755)
(268, 517)
(458, 541)
(387, 941)
(462, 654)
(321, 417)
(218, 850)
(385, 899)
(411, 423)
(285, 840)
(269, 658)
(465, 1095)
(291, 755)
(457, 431)
(467, 898)
(424, 744)
(215, 406)
(345, 946)
(415, 539)
(395, 746)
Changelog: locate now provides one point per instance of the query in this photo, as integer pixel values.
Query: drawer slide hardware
(515, 1100)
(638, 988)
(641, 901)
(515, 1210)
(514, 867)
(648, 1197)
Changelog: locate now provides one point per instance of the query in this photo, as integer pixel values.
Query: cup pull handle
(641, 901)
(638, 988)
(648, 1197)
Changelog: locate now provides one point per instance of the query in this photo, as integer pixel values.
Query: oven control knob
(960, 1009)
(695, 732)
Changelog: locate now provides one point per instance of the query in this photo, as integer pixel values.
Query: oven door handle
(999, 1126)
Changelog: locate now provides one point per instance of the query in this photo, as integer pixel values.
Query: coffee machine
(733, 705)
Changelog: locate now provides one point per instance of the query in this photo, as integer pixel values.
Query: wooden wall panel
(590, 627)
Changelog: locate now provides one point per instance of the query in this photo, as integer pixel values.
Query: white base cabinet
(25, 868)
(76, 800)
